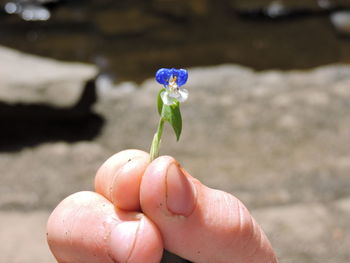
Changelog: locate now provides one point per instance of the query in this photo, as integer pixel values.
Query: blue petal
(173, 72)
(163, 75)
(182, 76)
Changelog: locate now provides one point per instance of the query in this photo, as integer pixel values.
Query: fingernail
(122, 240)
(180, 192)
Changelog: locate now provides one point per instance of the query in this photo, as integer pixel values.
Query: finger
(199, 223)
(119, 178)
(86, 228)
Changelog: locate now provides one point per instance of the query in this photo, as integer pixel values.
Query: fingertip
(74, 231)
(215, 221)
(125, 192)
(152, 188)
(148, 243)
(119, 178)
(86, 228)
(136, 241)
(168, 186)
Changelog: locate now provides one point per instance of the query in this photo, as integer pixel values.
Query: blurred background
(268, 118)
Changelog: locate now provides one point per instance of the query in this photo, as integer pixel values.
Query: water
(130, 40)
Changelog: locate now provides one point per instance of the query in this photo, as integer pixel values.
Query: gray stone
(278, 140)
(286, 131)
(29, 79)
(23, 237)
(46, 174)
(270, 137)
(309, 232)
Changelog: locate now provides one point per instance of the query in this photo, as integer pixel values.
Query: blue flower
(172, 79)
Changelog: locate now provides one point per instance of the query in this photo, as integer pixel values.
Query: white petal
(183, 95)
(167, 100)
(174, 94)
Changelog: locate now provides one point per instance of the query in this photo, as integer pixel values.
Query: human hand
(140, 208)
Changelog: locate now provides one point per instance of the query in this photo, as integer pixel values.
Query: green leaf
(160, 101)
(172, 114)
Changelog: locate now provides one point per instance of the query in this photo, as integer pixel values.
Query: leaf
(172, 114)
(160, 101)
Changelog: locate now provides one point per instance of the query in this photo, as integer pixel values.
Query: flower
(172, 79)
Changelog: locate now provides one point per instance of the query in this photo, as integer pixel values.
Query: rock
(271, 137)
(292, 228)
(273, 129)
(24, 238)
(107, 90)
(47, 172)
(45, 100)
(28, 79)
(278, 140)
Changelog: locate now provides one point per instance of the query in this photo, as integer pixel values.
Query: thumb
(199, 223)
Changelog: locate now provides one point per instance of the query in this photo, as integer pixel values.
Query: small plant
(168, 102)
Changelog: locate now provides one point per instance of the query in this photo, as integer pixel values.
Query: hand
(140, 208)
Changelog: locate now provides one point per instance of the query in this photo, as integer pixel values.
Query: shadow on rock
(31, 124)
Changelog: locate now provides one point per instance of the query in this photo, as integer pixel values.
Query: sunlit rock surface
(29, 79)
(278, 140)
(45, 100)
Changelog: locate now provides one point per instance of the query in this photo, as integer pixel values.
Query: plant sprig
(168, 104)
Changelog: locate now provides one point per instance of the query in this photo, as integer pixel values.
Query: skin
(140, 208)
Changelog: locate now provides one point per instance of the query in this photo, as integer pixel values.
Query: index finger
(119, 178)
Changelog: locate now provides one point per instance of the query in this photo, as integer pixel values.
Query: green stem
(154, 152)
